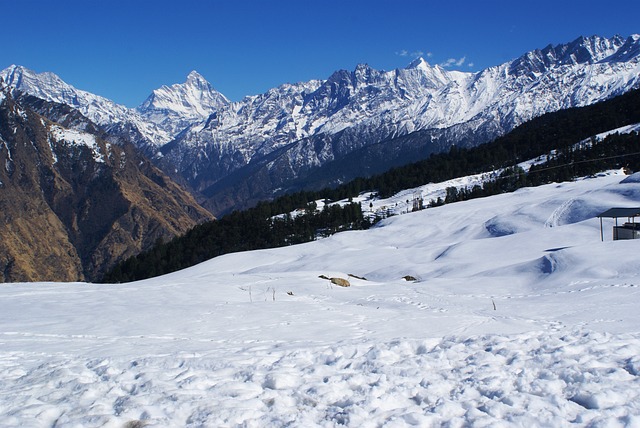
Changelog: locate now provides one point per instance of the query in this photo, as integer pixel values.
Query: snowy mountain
(537, 325)
(364, 120)
(175, 107)
(292, 130)
(114, 118)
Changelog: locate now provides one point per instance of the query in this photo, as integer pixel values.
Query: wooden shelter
(629, 230)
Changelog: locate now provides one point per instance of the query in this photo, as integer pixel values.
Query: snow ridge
(103, 112)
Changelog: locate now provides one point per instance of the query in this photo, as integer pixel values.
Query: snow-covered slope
(521, 316)
(175, 107)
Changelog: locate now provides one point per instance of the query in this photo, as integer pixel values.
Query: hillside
(520, 316)
(73, 204)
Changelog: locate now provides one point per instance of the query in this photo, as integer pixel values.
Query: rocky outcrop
(340, 282)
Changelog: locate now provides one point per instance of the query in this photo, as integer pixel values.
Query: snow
(8, 162)
(77, 137)
(258, 339)
(176, 107)
(622, 130)
(633, 178)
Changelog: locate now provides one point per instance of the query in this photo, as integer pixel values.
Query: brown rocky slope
(72, 204)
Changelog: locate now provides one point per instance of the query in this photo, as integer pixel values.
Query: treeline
(559, 130)
(255, 228)
(265, 226)
(614, 152)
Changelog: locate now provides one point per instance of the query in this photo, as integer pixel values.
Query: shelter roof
(620, 212)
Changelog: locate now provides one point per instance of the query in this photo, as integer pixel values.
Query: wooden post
(601, 231)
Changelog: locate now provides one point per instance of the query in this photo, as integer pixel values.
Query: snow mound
(633, 178)
(503, 225)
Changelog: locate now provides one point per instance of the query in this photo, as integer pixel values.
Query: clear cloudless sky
(123, 50)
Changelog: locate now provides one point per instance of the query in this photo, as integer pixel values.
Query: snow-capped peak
(175, 107)
(194, 97)
(591, 49)
(195, 78)
(100, 110)
(418, 63)
(583, 50)
(45, 85)
(629, 50)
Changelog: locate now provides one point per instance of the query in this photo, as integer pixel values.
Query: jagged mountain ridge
(306, 126)
(117, 120)
(166, 112)
(73, 204)
(266, 142)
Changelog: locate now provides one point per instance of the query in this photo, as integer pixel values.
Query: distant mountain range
(85, 182)
(359, 122)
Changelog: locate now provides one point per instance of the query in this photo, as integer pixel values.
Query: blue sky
(124, 49)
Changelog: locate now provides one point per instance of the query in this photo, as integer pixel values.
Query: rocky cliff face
(73, 204)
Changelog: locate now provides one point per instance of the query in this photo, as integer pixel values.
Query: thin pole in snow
(601, 232)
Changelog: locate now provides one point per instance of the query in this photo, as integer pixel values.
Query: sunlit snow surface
(71, 136)
(258, 339)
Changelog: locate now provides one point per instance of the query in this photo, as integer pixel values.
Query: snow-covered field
(520, 316)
